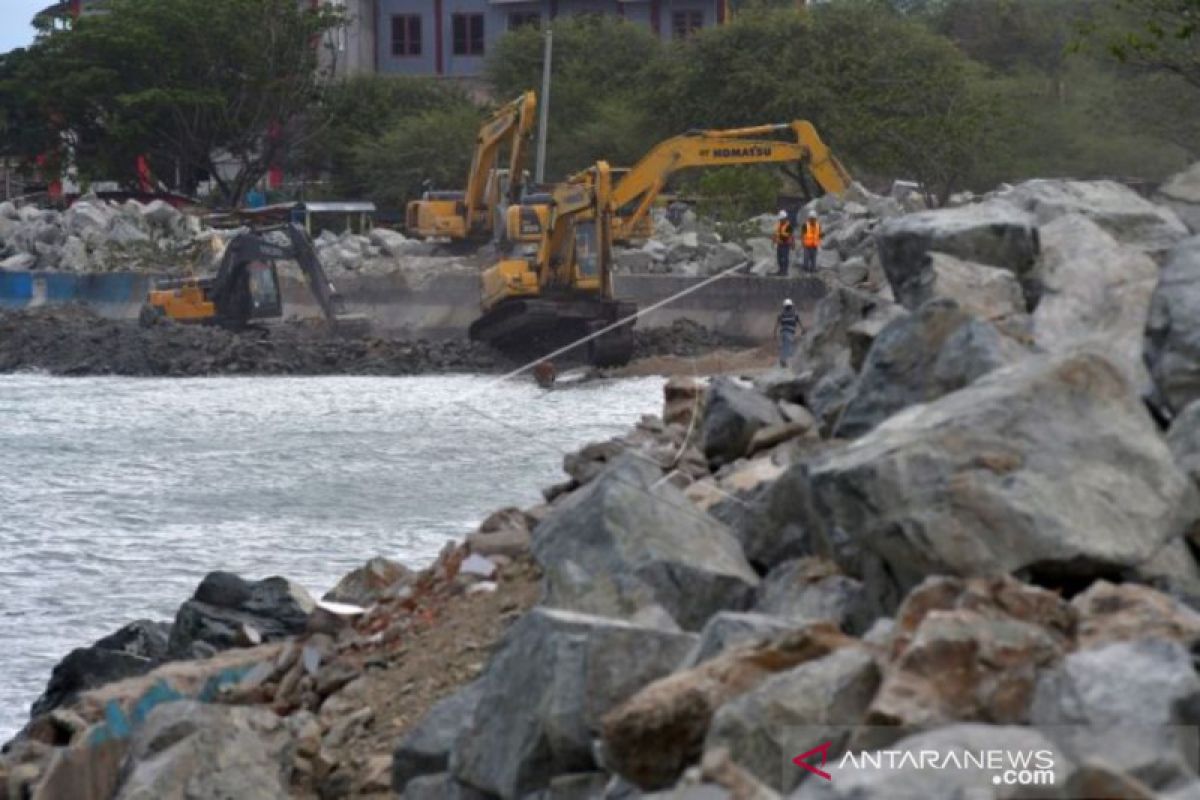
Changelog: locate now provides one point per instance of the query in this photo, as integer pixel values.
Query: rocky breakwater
(687, 244)
(954, 525)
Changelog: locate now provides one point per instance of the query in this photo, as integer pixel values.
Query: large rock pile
(956, 528)
(97, 236)
(685, 244)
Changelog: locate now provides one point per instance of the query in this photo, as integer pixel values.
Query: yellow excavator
(471, 215)
(637, 187)
(561, 290)
(246, 289)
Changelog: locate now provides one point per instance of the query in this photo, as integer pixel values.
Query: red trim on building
(655, 13)
(720, 12)
(438, 45)
(76, 6)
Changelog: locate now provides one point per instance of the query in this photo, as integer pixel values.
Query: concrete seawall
(442, 306)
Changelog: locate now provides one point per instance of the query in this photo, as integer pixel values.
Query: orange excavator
(473, 214)
(636, 189)
(561, 290)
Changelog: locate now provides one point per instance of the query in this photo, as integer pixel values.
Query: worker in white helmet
(785, 328)
(783, 242)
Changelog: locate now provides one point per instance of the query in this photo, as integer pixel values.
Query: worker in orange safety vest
(810, 240)
(783, 242)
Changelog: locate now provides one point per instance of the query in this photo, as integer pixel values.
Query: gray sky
(15, 30)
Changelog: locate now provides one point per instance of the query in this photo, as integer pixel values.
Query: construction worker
(785, 328)
(784, 240)
(810, 240)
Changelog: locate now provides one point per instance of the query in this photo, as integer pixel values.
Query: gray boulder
(204, 751)
(732, 415)
(902, 778)
(545, 691)
(442, 786)
(630, 543)
(1122, 703)
(787, 714)
(830, 395)
(1182, 193)
(1094, 287)
(731, 628)
(425, 750)
(391, 242)
(634, 261)
(1184, 440)
(135, 649)
(18, 262)
(1172, 345)
(1121, 211)
(782, 384)
(224, 606)
(1006, 475)
(989, 293)
(85, 214)
(124, 233)
(921, 357)
(995, 233)
(724, 256)
(811, 589)
(368, 584)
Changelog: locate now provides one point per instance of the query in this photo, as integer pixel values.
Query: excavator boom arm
(717, 148)
(512, 123)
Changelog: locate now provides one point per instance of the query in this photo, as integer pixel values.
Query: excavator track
(533, 328)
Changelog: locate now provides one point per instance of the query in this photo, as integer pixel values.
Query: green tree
(600, 65)
(363, 111)
(1156, 35)
(223, 87)
(435, 145)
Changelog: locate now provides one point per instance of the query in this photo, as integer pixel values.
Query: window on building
(685, 23)
(406, 35)
(468, 34)
(522, 18)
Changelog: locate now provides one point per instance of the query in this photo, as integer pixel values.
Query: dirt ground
(403, 678)
(718, 362)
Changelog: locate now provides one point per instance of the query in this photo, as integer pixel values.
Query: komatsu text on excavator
(246, 286)
(472, 215)
(637, 187)
(561, 290)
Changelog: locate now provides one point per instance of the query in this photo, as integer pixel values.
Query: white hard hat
(787, 301)
(812, 214)
(783, 215)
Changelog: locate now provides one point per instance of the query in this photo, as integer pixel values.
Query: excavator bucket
(530, 329)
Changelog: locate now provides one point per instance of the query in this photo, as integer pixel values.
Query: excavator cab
(246, 287)
(558, 290)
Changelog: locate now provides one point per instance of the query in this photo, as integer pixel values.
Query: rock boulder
(1094, 288)
(1172, 344)
(224, 606)
(1006, 475)
(920, 357)
(995, 233)
(630, 543)
(544, 693)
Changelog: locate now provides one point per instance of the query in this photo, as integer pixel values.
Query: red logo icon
(802, 760)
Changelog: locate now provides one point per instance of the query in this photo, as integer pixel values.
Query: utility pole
(544, 110)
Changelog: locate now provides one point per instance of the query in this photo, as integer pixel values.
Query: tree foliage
(599, 69)
(203, 86)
